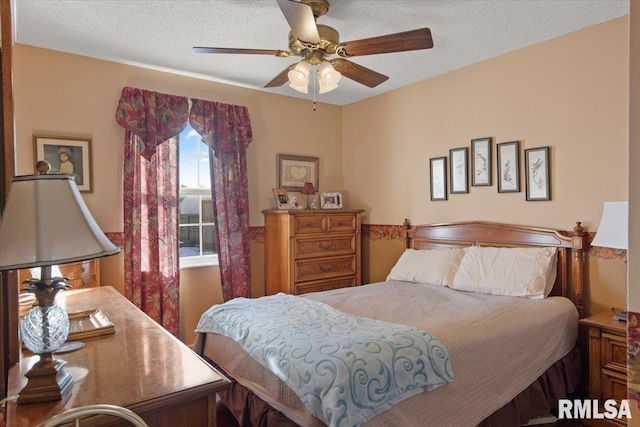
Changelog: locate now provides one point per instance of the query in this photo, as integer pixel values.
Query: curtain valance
(154, 117)
(225, 128)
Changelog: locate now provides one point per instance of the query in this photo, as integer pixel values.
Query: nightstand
(607, 349)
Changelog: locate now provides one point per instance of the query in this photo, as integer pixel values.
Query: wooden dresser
(607, 362)
(141, 366)
(311, 250)
(83, 274)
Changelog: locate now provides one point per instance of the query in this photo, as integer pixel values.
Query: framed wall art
(481, 162)
(69, 156)
(508, 154)
(330, 201)
(538, 176)
(459, 170)
(438, 175)
(294, 171)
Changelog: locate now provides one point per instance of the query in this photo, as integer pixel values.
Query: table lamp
(46, 222)
(613, 232)
(308, 190)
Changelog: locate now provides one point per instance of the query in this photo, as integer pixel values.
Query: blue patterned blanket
(344, 368)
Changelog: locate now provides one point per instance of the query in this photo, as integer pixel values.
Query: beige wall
(68, 95)
(570, 93)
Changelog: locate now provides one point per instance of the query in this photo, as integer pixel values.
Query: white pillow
(433, 266)
(551, 275)
(521, 272)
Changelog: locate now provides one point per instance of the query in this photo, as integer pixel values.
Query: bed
(511, 356)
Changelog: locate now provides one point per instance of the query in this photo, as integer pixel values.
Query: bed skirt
(540, 399)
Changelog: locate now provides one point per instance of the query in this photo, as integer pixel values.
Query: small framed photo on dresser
(282, 198)
(330, 200)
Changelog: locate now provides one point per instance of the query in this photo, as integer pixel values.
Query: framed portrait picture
(330, 201)
(538, 177)
(69, 156)
(282, 198)
(508, 167)
(438, 176)
(459, 170)
(294, 171)
(481, 162)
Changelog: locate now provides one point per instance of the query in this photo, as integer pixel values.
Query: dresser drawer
(329, 223)
(614, 384)
(82, 274)
(324, 245)
(614, 353)
(316, 269)
(325, 285)
(86, 281)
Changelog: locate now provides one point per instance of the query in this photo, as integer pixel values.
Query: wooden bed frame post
(577, 273)
(407, 232)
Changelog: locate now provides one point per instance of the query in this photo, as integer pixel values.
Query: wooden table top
(140, 365)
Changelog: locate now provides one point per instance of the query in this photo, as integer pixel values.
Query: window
(197, 238)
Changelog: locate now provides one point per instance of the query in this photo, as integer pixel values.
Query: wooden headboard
(571, 248)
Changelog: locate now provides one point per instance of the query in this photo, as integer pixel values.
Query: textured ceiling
(160, 34)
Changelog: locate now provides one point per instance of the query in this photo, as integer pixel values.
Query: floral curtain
(226, 129)
(151, 243)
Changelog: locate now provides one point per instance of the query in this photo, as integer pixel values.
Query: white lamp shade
(299, 76)
(613, 231)
(299, 88)
(46, 222)
(325, 89)
(328, 76)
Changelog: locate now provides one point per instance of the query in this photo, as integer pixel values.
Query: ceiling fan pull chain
(314, 78)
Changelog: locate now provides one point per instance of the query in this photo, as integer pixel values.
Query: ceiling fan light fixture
(328, 76)
(325, 89)
(300, 88)
(299, 75)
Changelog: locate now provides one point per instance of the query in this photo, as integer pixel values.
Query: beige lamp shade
(46, 222)
(613, 231)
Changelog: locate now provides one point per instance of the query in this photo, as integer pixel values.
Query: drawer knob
(326, 246)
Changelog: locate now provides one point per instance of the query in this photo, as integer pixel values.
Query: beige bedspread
(498, 346)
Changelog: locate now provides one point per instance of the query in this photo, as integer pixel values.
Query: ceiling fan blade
(281, 78)
(398, 42)
(199, 49)
(358, 73)
(301, 20)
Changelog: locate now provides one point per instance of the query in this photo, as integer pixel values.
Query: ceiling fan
(319, 45)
